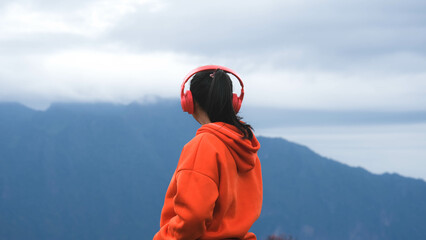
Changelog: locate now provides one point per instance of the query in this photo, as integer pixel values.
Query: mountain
(100, 171)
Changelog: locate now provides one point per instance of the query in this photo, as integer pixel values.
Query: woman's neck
(200, 115)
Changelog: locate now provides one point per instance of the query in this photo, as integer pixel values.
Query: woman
(216, 190)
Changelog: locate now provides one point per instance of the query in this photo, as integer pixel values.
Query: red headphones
(186, 99)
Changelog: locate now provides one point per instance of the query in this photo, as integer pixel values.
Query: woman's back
(216, 190)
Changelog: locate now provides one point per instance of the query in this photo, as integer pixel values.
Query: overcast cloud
(292, 54)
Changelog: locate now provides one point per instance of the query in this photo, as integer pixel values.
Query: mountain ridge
(102, 169)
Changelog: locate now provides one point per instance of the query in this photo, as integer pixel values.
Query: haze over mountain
(100, 171)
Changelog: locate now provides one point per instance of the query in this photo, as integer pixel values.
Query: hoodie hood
(244, 151)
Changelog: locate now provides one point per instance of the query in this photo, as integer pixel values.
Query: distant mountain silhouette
(100, 171)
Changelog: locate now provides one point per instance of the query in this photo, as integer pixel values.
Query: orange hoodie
(216, 190)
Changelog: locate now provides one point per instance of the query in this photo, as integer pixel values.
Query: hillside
(100, 171)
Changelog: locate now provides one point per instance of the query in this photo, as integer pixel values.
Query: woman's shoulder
(201, 155)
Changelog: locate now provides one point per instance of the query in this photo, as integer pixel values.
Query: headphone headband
(213, 67)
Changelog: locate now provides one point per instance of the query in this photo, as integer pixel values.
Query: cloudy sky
(322, 55)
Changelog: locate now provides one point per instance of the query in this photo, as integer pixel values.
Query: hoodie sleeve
(194, 204)
(196, 194)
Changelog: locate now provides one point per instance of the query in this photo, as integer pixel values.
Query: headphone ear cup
(187, 102)
(236, 103)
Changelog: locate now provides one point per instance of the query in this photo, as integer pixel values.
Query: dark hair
(212, 90)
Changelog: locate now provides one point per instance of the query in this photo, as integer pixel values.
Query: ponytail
(212, 90)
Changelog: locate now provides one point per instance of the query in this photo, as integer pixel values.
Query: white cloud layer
(91, 76)
(324, 54)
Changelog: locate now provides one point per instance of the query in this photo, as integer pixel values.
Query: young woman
(216, 190)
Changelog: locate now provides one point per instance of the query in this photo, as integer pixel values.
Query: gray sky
(291, 54)
(325, 56)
